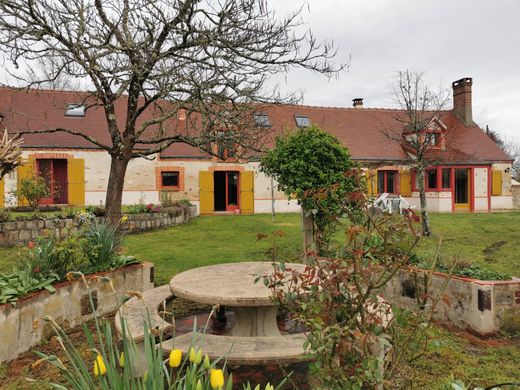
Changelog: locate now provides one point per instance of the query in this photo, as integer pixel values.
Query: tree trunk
(116, 182)
(308, 233)
(425, 219)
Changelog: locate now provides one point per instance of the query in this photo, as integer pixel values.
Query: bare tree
(512, 147)
(421, 110)
(508, 145)
(187, 70)
(10, 154)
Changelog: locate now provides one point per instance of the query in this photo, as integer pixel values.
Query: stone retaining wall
(21, 232)
(481, 307)
(515, 189)
(22, 326)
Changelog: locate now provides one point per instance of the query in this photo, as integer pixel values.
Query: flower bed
(23, 231)
(22, 326)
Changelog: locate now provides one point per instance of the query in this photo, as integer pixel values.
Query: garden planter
(22, 326)
(483, 308)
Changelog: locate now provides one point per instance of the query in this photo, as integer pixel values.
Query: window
(170, 179)
(433, 139)
(446, 178)
(431, 179)
(302, 121)
(386, 182)
(75, 110)
(262, 120)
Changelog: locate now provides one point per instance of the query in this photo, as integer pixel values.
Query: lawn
(213, 240)
(490, 239)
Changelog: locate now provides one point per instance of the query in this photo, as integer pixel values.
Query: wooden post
(273, 213)
(308, 233)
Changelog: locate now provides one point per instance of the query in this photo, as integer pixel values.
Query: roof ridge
(342, 108)
(36, 90)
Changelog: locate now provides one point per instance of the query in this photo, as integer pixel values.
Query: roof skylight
(302, 121)
(75, 110)
(262, 120)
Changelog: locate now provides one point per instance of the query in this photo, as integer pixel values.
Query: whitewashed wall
(140, 183)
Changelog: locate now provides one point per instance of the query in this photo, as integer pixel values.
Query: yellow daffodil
(99, 366)
(198, 356)
(174, 360)
(198, 386)
(124, 218)
(216, 379)
(122, 359)
(207, 363)
(193, 355)
(269, 386)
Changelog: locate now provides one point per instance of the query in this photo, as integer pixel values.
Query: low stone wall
(21, 232)
(22, 326)
(481, 307)
(515, 189)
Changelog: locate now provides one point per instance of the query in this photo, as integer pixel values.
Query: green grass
(491, 240)
(456, 356)
(212, 240)
(218, 239)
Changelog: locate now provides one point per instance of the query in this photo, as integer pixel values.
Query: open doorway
(462, 189)
(54, 173)
(226, 190)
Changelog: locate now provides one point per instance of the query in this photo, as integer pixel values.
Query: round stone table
(233, 285)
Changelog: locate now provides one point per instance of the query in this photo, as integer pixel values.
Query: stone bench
(285, 349)
(235, 350)
(138, 312)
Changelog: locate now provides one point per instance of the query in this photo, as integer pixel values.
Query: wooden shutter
(247, 192)
(496, 182)
(207, 194)
(76, 181)
(25, 171)
(406, 183)
(371, 177)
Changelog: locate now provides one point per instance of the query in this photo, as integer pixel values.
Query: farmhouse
(470, 172)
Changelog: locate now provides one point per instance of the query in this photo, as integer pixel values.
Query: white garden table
(233, 285)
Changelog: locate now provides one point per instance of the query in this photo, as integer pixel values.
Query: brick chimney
(357, 103)
(462, 100)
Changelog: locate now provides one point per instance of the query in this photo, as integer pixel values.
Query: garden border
(22, 232)
(484, 308)
(22, 325)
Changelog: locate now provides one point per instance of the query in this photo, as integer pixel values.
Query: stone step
(138, 312)
(286, 349)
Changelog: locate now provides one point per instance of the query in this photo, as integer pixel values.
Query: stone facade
(21, 232)
(23, 326)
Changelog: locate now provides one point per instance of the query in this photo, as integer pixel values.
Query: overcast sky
(448, 39)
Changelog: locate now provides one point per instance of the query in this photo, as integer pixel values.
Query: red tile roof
(370, 134)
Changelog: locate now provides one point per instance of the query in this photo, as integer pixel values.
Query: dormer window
(75, 110)
(261, 120)
(302, 121)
